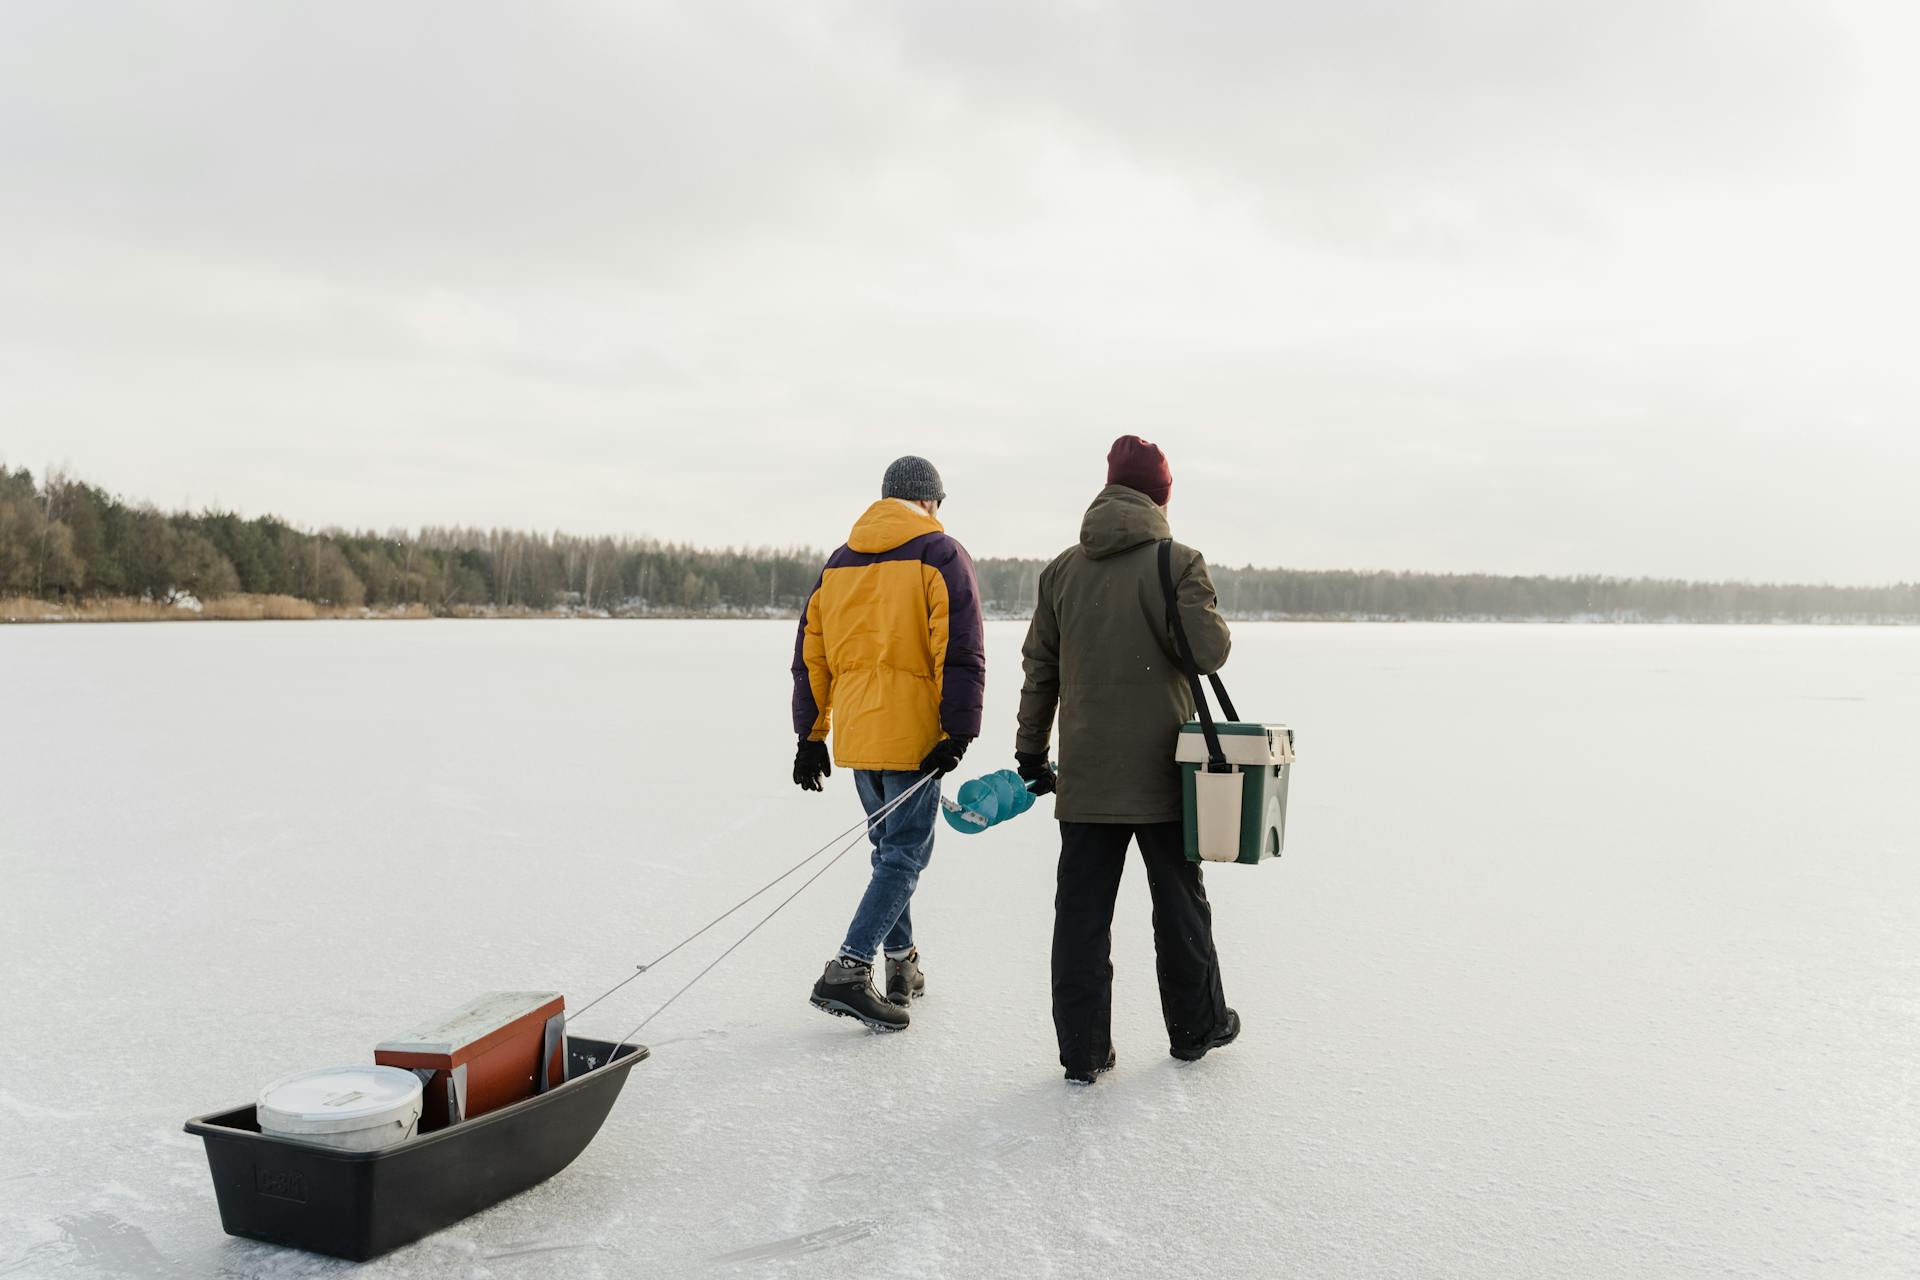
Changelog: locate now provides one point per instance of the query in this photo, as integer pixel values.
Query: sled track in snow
(812, 1242)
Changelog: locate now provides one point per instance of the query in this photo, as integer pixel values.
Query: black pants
(1092, 856)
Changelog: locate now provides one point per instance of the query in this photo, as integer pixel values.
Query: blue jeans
(902, 847)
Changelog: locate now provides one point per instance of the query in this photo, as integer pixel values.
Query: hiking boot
(1221, 1038)
(905, 982)
(1088, 1075)
(846, 989)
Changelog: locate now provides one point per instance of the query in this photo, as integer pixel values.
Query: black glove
(810, 764)
(945, 756)
(1036, 772)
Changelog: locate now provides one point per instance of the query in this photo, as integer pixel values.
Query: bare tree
(55, 481)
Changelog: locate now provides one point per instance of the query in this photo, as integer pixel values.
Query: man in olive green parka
(1098, 651)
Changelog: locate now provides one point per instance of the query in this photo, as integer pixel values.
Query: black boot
(846, 989)
(1089, 1074)
(905, 982)
(1221, 1038)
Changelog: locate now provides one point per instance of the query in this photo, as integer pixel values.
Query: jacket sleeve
(1040, 657)
(1200, 614)
(812, 678)
(957, 637)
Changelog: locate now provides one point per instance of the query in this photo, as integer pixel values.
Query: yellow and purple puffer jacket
(890, 650)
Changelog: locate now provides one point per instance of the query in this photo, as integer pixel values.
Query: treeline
(1352, 595)
(1294, 593)
(69, 541)
(64, 540)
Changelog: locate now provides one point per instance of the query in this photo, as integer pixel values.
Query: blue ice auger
(987, 802)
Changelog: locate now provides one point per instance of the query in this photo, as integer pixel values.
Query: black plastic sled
(360, 1204)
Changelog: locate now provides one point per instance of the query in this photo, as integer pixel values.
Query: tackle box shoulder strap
(1216, 758)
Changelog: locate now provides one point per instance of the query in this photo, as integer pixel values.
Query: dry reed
(234, 608)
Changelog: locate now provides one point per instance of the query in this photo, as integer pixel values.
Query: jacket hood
(889, 523)
(1121, 519)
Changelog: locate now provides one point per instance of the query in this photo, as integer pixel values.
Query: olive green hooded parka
(1099, 650)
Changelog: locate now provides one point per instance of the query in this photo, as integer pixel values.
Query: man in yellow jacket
(892, 658)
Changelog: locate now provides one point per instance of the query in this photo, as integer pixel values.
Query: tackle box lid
(1241, 742)
(476, 1026)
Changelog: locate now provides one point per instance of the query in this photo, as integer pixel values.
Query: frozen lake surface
(1595, 952)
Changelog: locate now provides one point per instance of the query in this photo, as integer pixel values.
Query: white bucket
(346, 1108)
(1217, 799)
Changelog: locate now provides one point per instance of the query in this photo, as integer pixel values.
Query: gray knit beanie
(913, 479)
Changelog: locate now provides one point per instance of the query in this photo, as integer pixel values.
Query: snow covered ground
(1595, 952)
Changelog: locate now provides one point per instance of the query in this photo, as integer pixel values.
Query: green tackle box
(1239, 814)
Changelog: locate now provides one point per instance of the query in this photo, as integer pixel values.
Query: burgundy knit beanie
(1139, 464)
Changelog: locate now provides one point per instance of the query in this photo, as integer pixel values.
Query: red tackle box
(492, 1051)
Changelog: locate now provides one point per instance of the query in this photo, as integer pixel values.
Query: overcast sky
(1620, 286)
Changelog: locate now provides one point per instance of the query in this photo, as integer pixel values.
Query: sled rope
(858, 831)
(848, 848)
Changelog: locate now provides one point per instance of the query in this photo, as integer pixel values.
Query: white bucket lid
(337, 1099)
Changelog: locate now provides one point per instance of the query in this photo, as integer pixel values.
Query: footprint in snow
(1007, 1146)
(109, 1246)
(710, 1033)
